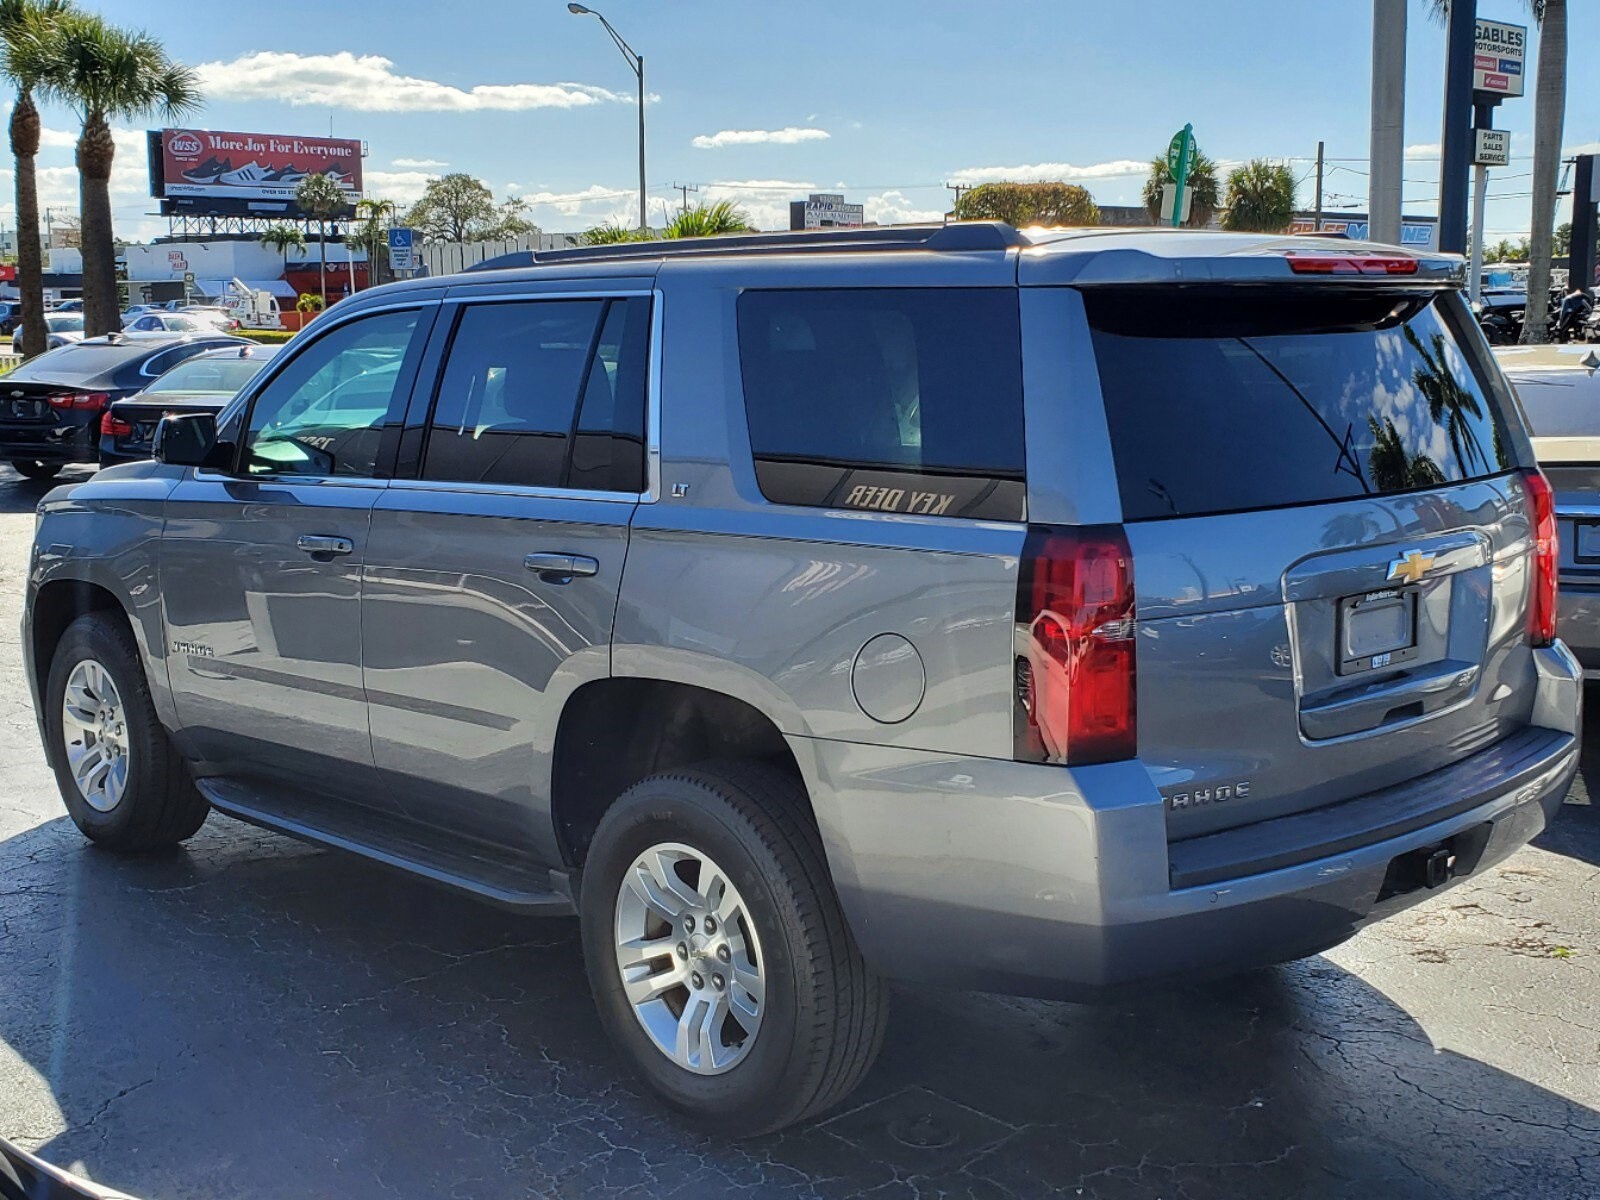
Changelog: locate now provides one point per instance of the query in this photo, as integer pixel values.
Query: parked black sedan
(203, 383)
(51, 407)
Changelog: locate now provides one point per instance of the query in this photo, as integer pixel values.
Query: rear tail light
(1542, 590)
(90, 400)
(113, 426)
(1350, 264)
(1075, 671)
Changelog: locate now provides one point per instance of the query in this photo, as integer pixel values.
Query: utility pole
(1482, 118)
(1387, 148)
(1455, 141)
(1580, 256)
(1317, 216)
(685, 188)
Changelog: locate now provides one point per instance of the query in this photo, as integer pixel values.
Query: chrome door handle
(320, 543)
(561, 566)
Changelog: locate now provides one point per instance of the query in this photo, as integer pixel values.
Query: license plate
(1588, 541)
(26, 410)
(1377, 630)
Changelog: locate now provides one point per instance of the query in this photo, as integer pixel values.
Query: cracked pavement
(252, 1017)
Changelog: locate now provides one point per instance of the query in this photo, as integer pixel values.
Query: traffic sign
(1180, 161)
(402, 249)
(1181, 149)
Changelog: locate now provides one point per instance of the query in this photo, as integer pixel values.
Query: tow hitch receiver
(1434, 866)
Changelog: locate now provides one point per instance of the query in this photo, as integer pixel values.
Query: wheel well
(57, 605)
(615, 732)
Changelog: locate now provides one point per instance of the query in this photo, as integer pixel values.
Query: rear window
(71, 362)
(1560, 403)
(1229, 402)
(894, 400)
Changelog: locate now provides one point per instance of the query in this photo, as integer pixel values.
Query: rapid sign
(1499, 53)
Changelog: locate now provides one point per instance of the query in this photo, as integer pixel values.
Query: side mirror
(189, 440)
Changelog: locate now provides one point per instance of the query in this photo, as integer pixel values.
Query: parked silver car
(809, 610)
(1559, 387)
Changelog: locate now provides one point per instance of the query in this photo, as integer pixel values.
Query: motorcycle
(1571, 318)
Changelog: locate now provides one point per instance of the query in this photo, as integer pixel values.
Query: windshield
(69, 324)
(1230, 402)
(207, 377)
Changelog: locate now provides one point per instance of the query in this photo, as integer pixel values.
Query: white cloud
(1423, 150)
(368, 83)
(896, 208)
(403, 187)
(418, 162)
(1051, 171)
(788, 136)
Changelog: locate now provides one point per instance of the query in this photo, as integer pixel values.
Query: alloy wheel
(94, 730)
(689, 958)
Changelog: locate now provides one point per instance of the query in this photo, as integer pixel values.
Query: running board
(504, 884)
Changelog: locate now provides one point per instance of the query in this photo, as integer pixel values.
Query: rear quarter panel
(772, 604)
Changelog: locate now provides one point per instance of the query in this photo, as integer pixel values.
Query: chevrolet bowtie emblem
(1411, 566)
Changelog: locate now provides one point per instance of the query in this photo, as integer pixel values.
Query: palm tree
(1549, 115)
(609, 234)
(25, 39)
(374, 214)
(105, 74)
(283, 236)
(706, 220)
(320, 197)
(1260, 197)
(1201, 184)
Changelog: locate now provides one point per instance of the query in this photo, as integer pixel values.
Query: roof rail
(957, 236)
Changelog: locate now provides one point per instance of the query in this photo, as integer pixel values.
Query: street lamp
(636, 61)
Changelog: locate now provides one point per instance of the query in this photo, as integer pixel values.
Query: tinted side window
(608, 451)
(325, 412)
(508, 408)
(896, 400)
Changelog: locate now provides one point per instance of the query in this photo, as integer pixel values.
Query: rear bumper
(66, 442)
(1578, 622)
(1036, 880)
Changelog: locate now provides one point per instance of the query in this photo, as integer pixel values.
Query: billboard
(208, 169)
(1498, 54)
(825, 210)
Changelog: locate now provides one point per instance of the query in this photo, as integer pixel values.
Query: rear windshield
(207, 376)
(1222, 402)
(68, 362)
(1560, 403)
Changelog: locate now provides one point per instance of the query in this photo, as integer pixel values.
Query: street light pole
(636, 61)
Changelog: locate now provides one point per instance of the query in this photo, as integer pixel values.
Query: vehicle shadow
(249, 1016)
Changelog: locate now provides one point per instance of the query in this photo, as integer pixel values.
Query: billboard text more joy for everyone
(255, 166)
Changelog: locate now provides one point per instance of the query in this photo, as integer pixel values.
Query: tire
(30, 468)
(157, 804)
(822, 1011)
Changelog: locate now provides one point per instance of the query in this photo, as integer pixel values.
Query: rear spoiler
(1180, 259)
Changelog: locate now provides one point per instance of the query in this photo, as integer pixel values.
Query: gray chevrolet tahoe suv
(1032, 613)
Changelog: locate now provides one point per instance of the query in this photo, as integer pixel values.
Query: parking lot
(253, 1017)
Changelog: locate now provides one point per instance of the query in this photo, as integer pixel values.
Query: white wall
(208, 260)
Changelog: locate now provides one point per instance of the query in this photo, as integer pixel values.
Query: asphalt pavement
(251, 1017)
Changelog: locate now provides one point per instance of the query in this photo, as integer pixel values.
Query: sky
(887, 101)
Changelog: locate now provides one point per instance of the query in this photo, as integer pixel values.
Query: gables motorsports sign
(215, 165)
(1498, 56)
